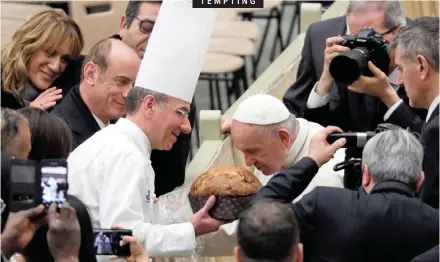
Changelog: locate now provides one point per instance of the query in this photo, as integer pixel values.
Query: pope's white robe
(222, 242)
(111, 174)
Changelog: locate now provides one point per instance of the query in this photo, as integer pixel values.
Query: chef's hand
(225, 124)
(64, 234)
(20, 229)
(138, 253)
(47, 99)
(378, 86)
(203, 223)
(320, 150)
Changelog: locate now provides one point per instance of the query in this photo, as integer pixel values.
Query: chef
(270, 138)
(111, 173)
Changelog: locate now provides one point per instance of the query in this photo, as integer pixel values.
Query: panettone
(233, 188)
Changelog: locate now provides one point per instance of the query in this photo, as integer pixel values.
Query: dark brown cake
(233, 188)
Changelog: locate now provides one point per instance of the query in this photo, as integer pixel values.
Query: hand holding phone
(20, 229)
(64, 234)
(138, 252)
(109, 242)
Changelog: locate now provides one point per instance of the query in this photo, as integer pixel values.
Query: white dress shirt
(99, 121)
(111, 174)
(432, 107)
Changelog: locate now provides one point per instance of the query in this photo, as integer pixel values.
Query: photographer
(369, 225)
(417, 57)
(326, 102)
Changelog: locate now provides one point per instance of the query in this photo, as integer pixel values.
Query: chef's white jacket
(111, 174)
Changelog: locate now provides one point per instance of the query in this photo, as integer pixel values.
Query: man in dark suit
(109, 72)
(382, 222)
(315, 97)
(417, 57)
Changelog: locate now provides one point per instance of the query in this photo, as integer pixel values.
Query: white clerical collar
(99, 121)
(140, 139)
(432, 107)
(298, 144)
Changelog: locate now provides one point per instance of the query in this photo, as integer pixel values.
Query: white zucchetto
(261, 109)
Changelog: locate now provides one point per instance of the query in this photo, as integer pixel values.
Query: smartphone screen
(109, 242)
(54, 183)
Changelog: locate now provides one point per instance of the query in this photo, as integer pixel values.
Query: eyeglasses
(181, 113)
(145, 26)
(389, 31)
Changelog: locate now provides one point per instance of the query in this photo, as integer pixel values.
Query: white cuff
(392, 109)
(316, 100)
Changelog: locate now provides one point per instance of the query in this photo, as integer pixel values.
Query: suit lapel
(433, 115)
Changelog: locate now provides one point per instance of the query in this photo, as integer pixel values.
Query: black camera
(355, 143)
(367, 46)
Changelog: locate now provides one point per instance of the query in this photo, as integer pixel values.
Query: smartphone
(109, 242)
(24, 192)
(53, 182)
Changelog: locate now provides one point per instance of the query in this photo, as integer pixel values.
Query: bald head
(109, 73)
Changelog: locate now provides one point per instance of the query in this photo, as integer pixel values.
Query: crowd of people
(123, 121)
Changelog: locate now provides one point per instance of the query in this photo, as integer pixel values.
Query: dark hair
(133, 10)
(10, 130)
(420, 37)
(51, 137)
(268, 231)
(38, 249)
(6, 167)
(98, 54)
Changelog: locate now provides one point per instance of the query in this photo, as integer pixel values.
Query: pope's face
(171, 122)
(261, 149)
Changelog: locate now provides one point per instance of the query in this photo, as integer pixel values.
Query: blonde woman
(36, 62)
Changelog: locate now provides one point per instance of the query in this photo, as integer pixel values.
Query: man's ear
(299, 253)
(237, 254)
(90, 73)
(423, 67)
(398, 30)
(123, 26)
(149, 105)
(366, 176)
(420, 182)
(285, 138)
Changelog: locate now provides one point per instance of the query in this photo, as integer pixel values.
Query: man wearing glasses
(316, 97)
(136, 27)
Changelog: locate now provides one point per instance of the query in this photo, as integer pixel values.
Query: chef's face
(137, 34)
(171, 119)
(261, 148)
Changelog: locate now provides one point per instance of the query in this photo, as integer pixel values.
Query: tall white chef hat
(261, 109)
(176, 49)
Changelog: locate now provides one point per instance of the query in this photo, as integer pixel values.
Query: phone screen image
(54, 185)
(109, 242)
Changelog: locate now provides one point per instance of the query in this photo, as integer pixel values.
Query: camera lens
(346, 68)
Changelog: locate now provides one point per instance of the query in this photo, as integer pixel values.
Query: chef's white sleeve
(121, 204)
